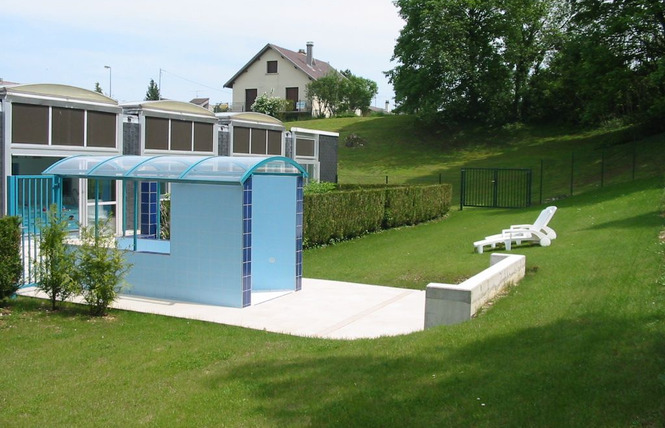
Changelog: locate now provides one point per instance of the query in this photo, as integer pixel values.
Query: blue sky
(198, 44)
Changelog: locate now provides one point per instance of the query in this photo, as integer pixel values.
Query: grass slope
(579, 342)
(400, 148)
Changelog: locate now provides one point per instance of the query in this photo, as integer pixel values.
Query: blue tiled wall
(149, 207)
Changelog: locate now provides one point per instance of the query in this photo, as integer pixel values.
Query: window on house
(274, 143)
(240, 140)
(30, 124)
(272, 67)
(258, 142)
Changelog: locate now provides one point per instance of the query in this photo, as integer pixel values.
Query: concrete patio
(325, 309)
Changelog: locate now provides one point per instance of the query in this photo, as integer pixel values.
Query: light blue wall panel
(205, 264)
(274, 233)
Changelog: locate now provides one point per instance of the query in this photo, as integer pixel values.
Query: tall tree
(448, 60)
(98, 88)
(153, 93)
(357, 92)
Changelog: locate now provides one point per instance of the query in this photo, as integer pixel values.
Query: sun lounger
(538, 232)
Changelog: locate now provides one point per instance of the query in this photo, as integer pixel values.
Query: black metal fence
(495, 187)
(554, 177)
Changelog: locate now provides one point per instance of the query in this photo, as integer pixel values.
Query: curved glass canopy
(211, 169)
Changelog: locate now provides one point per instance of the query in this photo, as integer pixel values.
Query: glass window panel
(272, 67)
(29, 124)
(274, 143)
(259, 141)
(203, 137)
(102, 129)
(304, 147)
(67, 127)
(240, 139)
(181, 135)
(156, 133)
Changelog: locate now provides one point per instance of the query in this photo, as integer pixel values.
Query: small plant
(101, 267)
(56, 263)
(165, 216)
(10, 256)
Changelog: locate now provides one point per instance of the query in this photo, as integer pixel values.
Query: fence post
(634, 157)
(440, 178)
(602, 168)
(541, 181)
(386, 179)
(572, 172)
(462, 189)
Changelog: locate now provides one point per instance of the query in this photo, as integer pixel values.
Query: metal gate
(29, 197)
(495, 187)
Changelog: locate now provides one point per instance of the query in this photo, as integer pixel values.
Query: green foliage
(337, 216)
(101, 267)
(342, 92)
(10, 256)
(500, 61)
(55, 266)
(319, 187)
(153, 94)
(268, 104)
(415, 204)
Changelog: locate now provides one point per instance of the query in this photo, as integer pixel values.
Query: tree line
(502, 61)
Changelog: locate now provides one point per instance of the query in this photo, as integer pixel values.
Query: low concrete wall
(447, 304)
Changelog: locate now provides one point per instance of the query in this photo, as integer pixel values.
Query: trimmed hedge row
(336, 216)
(10, 256)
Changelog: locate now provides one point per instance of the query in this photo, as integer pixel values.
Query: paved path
(327, 309)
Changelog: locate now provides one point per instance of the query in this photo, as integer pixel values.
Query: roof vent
(310, 46)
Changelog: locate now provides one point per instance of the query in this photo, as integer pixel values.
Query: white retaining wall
(451, 304)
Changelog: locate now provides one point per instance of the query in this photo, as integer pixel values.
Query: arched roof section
(64, 92)
(250, 116)
(212, 169)
(171, 107)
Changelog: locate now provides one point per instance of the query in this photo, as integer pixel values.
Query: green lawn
(580, 342)
(402, 149)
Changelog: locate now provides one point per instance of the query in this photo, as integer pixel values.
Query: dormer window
(272, 67)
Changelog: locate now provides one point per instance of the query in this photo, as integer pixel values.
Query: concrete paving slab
(323, 308)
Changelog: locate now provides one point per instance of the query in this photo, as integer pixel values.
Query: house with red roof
(278, 72)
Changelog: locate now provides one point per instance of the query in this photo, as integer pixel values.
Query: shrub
(319, 187)
(11, 267)
(56, 263)
(101, 267)
(342, 215)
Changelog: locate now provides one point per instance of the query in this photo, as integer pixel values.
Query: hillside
(404, 151)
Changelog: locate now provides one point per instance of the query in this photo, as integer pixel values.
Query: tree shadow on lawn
(593, 370)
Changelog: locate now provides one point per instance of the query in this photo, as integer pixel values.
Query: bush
(56, 263)
(101, 268)
(11, 267)
(319, 187)
(342, 215)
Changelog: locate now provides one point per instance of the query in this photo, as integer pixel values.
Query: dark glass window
(274, 143)
(240, 140)
(29, 124)
(259, 142)
(304, 147)
(181, 135)
(101, 129)
(156, 133)
(203, 137)
(272, 67)
(67, 127)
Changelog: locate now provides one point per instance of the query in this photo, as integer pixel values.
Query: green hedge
(336, 216)
(10, 256)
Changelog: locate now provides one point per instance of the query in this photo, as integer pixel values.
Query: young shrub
(56, 263)
(165, 217)
(319, 187)
(10, 256)
(101, 267)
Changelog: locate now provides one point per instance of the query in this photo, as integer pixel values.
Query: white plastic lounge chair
(539, 232)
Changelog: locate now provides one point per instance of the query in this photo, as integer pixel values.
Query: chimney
(310, 46)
